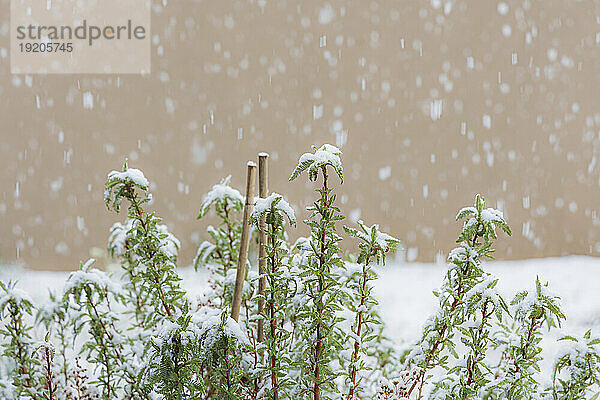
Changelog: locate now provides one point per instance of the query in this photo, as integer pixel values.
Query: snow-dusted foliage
(320, 278)
(577, 368)
(318, 160)
(476, 346)
(91, 296)
(278, 338)
(520, 341)
(222, 196)
(273, 204)
(220, 254)
(467, 302)
(373, 246)
(15, 306)
(135, 334)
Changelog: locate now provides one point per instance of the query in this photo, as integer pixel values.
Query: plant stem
(151, 251)
(319, 341)
(272, 316)
(49, 377)
(484, 316)
(442, 331)
(363, 298)
(530, 332)
(18, 333)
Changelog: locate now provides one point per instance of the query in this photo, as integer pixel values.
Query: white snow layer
(262, 206)
(220, 191)
(134, 174)
(325, 154)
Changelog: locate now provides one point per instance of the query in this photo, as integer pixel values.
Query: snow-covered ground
(404, 290)
(405, 294)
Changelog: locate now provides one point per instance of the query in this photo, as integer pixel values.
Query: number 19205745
(42, 47)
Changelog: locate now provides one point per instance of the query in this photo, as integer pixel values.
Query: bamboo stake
(263, 191)
(244, 242)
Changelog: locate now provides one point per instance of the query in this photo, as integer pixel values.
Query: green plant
(17, 306)
(277, 338)
(320, 277)
(91, 295)
(137, 336)
(577, 368)
(163, 316)
(520, 358)
(466, 289)
(221, 254)
(373, 246)
(149, 250)
(53, 315)
(49, 382)
(175, 360)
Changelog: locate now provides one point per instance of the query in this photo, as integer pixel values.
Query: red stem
(363, 299)
(442, 331)
(151, 253)
(274, 383)
(319, 341)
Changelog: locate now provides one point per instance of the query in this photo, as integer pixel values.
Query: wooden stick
(244, 242)
(263, 191)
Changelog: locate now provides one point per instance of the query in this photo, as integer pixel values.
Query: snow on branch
(322, 156)
(222, 193)
(274, 203)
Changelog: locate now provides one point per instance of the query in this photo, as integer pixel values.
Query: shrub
(137, 335)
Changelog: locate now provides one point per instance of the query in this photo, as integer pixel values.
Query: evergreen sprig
(175, 361)
(49, 381)
(55, 318)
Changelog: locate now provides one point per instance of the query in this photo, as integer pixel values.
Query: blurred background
(431, 102)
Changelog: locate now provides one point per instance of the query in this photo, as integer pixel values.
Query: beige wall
(260, 69)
